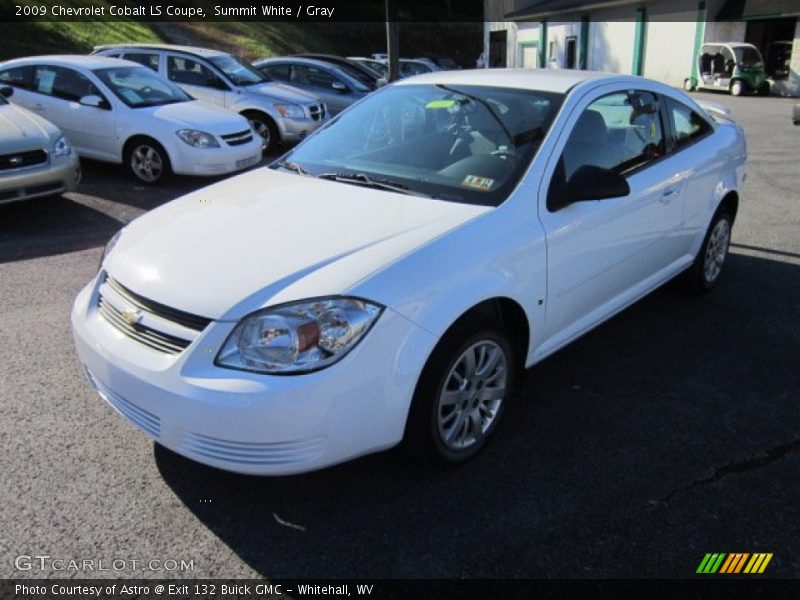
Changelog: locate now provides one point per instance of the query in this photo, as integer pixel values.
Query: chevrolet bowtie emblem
(132, 316)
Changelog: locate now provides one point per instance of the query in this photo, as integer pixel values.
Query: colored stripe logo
(734, 562)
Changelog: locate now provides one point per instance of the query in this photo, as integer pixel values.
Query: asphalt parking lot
(671, 431)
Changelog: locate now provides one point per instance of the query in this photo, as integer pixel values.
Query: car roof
(297, 59)
(90, 62)
(204, 52)
(543, 80)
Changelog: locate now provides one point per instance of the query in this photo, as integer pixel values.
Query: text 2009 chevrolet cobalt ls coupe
(389, 278)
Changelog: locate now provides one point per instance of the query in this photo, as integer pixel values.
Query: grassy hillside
(459, 41)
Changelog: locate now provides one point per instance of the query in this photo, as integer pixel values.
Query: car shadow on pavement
(617, 460)
(51, 225)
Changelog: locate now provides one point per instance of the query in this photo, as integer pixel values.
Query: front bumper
(59, 175)
(251, 423)
(295, 130)
(187, 160)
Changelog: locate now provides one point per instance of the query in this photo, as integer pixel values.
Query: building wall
(669, 51)
(791, 86)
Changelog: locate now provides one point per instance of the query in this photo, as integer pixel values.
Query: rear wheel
(704, 274)
(461, 394)
(146, 160)
(688, 85)
(737, 88)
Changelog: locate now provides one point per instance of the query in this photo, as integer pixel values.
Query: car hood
(198, 114)
(282, 92)
(21, 130)
(267, 237)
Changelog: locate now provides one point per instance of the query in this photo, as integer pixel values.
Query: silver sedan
(35, 157)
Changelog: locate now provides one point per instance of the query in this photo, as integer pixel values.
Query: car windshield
(139, 87)
(748, 57)
(238, 71)
(463, 143)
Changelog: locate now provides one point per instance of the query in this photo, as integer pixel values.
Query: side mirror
(6, 91)
(92, 100)
(594, 183)
(339, 86)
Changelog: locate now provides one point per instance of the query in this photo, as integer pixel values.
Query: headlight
(61, 147)
(109, 247)
(292, 111)
(198, 139)
(298, 337)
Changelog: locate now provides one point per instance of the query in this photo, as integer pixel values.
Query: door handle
(667, 196)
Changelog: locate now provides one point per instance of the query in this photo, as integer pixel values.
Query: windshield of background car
(748, 57)
(139, 87)
(459, 143)
(238, 71)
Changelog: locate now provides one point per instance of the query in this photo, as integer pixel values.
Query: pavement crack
(759, 461)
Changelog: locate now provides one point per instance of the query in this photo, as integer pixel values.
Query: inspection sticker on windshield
(440, 104)
(479, 183)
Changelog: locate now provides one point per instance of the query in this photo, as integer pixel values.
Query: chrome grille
(148, 329)
(151, 338)
(20, 160)
(239, 138)
(317, 111)
(165, 312)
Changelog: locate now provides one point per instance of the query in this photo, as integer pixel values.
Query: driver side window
(619, 132)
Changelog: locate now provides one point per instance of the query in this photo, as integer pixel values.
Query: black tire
(736, 88)
(424, 438)
(142, 149)
(697, 278)
(266, 127)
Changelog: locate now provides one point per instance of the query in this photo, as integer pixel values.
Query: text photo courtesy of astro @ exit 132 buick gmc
(389, 299)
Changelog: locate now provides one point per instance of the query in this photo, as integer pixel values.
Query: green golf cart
(732, 67)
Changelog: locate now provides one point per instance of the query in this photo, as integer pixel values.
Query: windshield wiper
(289, 165)
(367, 181)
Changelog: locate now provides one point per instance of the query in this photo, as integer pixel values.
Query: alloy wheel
(716, 250)
(147, 163)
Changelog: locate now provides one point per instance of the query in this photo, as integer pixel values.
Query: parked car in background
(779, 59)
(35, 157)
(732, 67)
(279, 113)
(408, 66)
(388, 280)
(121, 112)
(379, 67)
(357, 70)
(327, 81)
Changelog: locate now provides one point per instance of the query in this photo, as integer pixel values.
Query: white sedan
(119, 111)
(389, 279)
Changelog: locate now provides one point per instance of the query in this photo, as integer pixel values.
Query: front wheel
(146, 160)
(461, 394)
(704, 274)
(266, 128)
(688, 85)
(737, 88)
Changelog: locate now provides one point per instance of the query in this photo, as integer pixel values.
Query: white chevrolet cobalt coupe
(389, 279)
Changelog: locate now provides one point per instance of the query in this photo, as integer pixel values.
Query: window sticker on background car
(479, 183)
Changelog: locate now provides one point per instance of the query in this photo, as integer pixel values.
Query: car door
(602, 254)
(319, 82)
(90, 129)
(197, 79)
